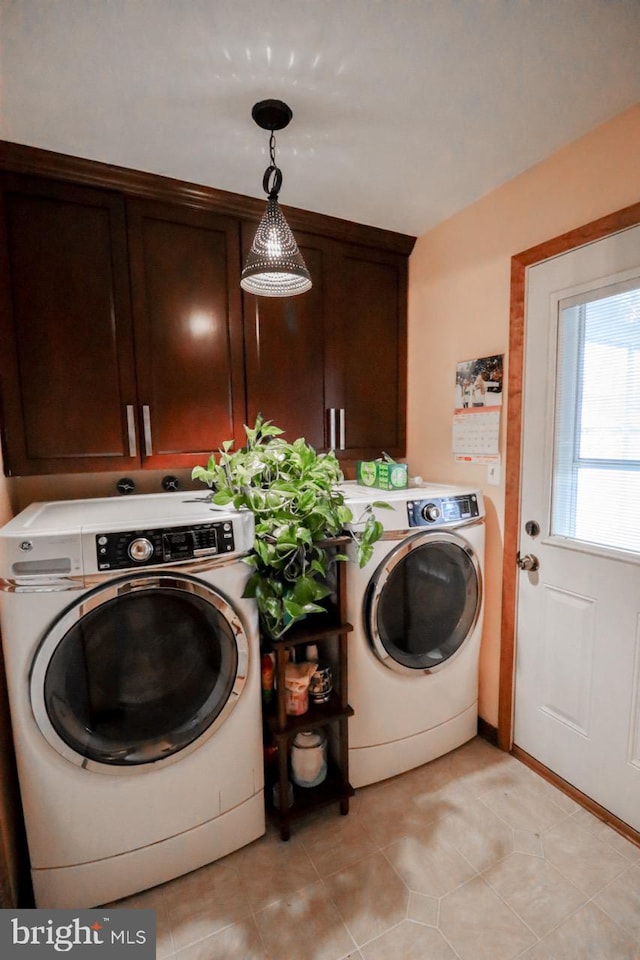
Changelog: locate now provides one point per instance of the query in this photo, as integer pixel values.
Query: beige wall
(459, 309)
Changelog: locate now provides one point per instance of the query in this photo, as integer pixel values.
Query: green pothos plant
(292, 492)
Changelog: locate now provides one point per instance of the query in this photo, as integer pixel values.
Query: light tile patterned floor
(471, 857)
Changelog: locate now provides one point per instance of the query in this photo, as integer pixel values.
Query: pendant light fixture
(274, 267)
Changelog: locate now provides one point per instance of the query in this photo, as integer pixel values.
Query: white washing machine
(133, 674)
(417, 611)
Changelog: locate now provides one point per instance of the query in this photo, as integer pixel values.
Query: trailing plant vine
(293, 493)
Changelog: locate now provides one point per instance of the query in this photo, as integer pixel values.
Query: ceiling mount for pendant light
(274, 267)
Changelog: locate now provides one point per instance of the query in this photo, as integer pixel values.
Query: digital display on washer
(184, 544)
(457, 509)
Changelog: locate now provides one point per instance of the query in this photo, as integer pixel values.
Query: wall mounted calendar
(475, 434)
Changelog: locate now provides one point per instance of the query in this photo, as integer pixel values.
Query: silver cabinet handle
(146, 423)
(341, 421)
(332, 428)
(131, 430)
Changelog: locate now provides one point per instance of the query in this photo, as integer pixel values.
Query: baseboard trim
(581, 798)
(487, 731)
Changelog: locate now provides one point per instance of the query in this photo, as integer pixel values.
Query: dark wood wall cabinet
(332, 362)
(128, 344)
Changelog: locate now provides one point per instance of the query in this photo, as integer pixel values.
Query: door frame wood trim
(595, 230)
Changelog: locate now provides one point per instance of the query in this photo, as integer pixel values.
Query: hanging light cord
(273, 189)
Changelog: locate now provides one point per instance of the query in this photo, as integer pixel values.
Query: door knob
(528, 562)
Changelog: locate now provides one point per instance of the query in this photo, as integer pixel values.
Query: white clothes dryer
(132, 667)
(417, 610)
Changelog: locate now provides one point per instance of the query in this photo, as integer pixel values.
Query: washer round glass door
(139, 671)
(423, 602)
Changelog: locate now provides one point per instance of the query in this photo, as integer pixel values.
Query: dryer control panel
(442, 511)
(139, 548)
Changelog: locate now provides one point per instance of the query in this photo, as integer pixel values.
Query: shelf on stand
(307, 799)
(316, 628)
(317, 715)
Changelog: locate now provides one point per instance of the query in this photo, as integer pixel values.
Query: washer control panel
(139, 548)
(440, 511)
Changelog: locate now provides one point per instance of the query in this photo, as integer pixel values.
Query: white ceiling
(404, 111)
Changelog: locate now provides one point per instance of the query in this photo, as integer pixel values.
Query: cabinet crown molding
(20, 158)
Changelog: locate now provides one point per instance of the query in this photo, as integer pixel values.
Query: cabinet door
(286, 351)
(368, 313)
(335, 356)
(67, 373)
(185, 276)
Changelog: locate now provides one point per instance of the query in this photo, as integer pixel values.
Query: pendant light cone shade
(275, 267)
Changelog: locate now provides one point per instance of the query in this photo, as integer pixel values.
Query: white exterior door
(577, 691)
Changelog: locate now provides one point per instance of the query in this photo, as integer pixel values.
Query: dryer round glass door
(138, 672)
(423, 602)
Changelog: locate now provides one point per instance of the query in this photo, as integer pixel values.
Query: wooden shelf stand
(319, 630)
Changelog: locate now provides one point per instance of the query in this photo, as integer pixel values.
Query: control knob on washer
(431, 512)
(140, 549)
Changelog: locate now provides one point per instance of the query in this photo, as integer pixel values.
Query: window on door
(596, 466)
